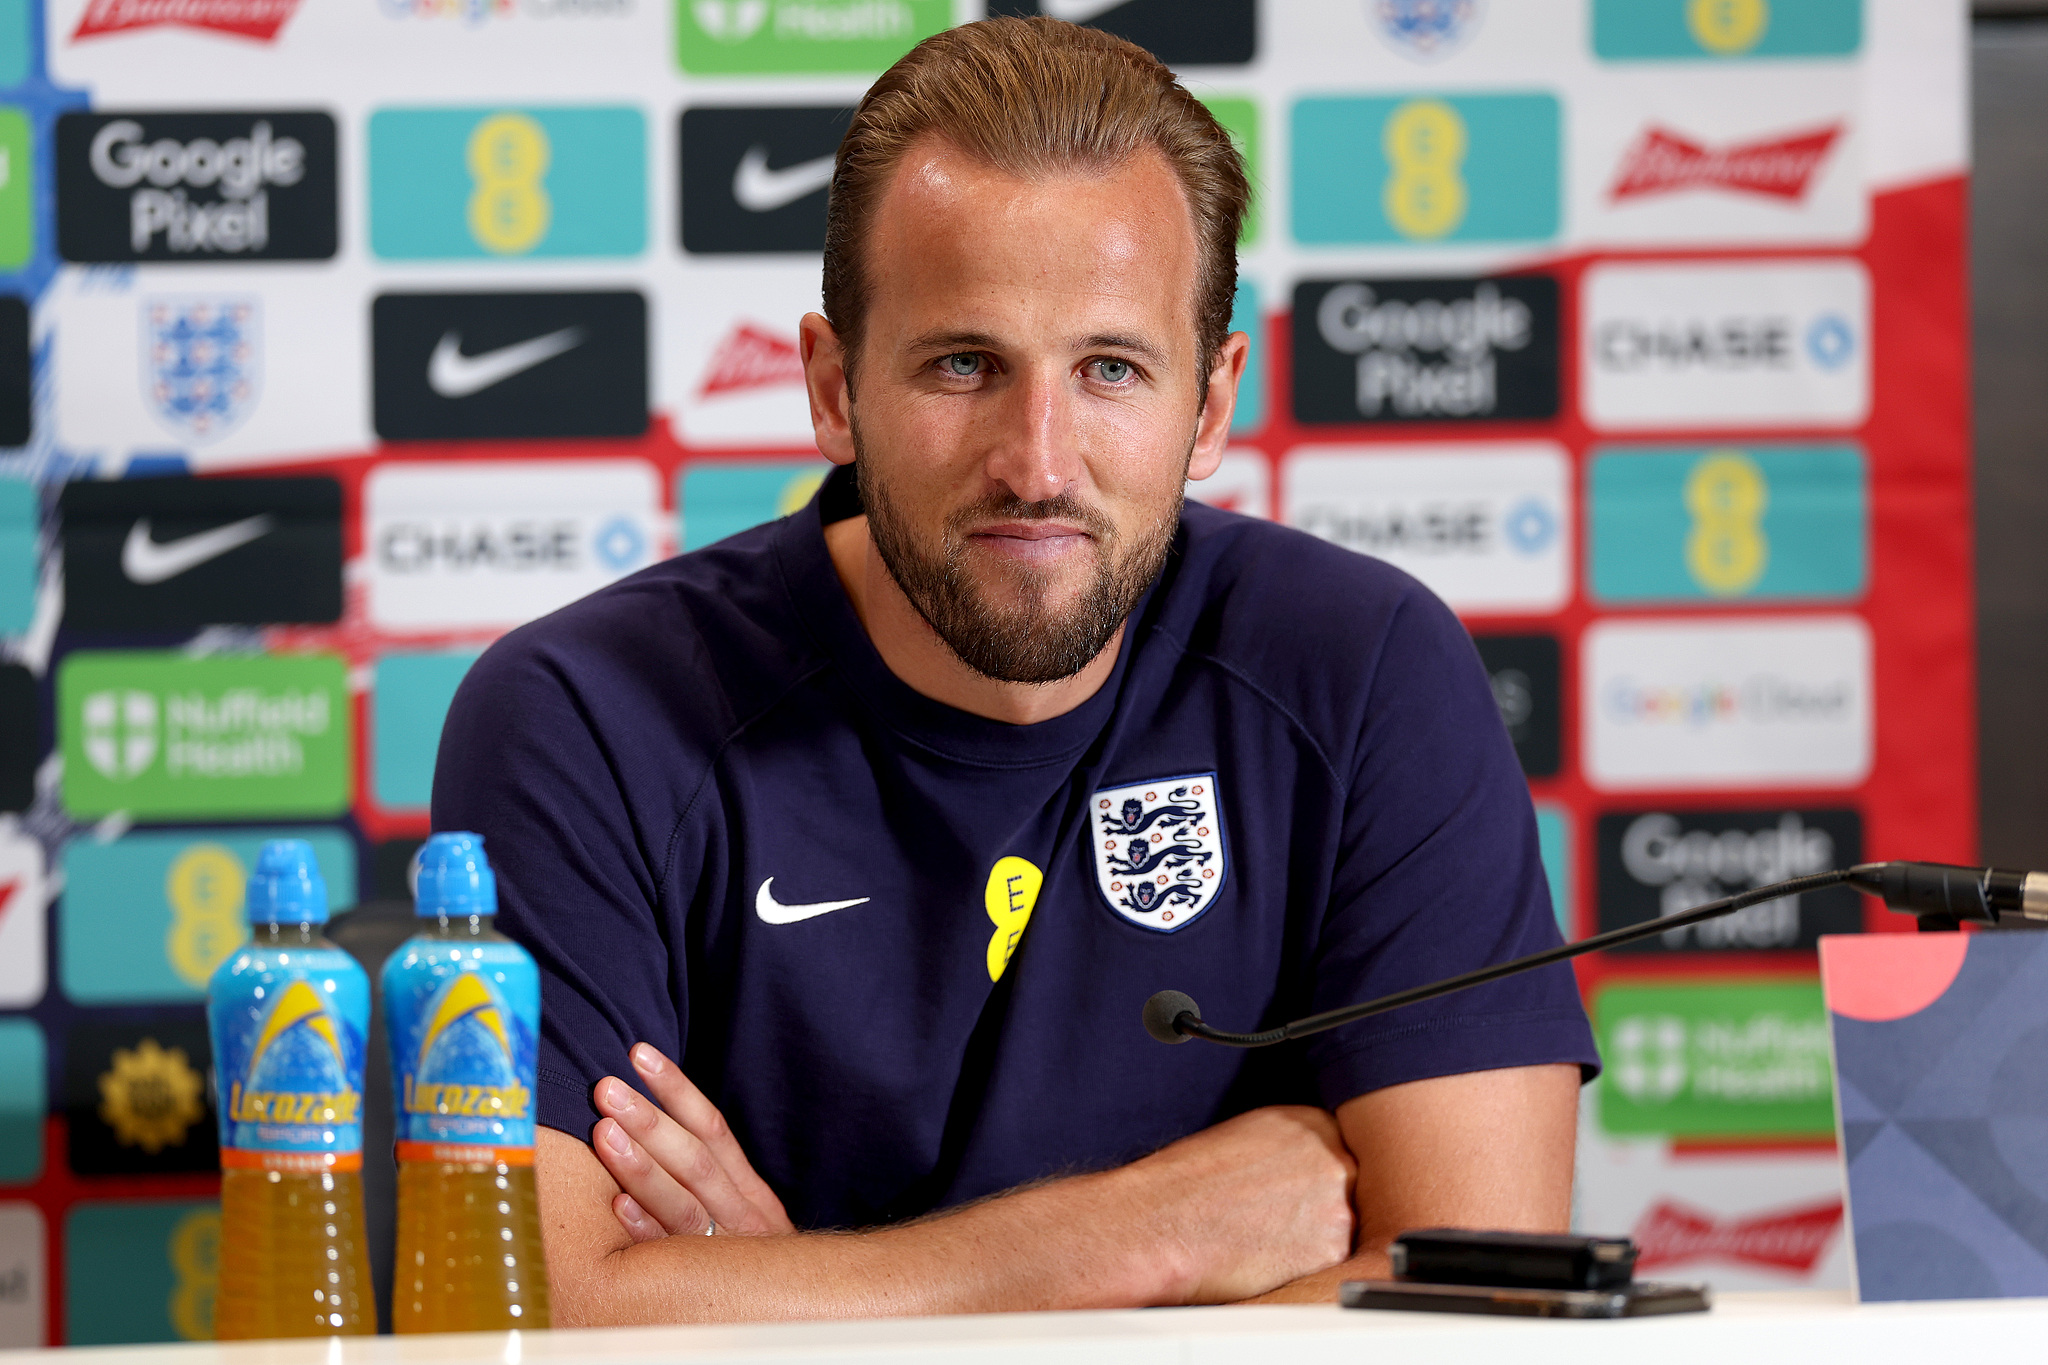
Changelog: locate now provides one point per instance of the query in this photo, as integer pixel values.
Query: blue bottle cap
(286, 887)
(454, 878)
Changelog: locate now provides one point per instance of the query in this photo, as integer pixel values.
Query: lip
(1029, 530)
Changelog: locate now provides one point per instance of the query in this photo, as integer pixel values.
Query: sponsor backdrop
(1632, 327)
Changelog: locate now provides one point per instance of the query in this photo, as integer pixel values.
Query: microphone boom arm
(1189, 1024)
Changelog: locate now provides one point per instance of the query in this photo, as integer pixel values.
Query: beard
(1000, 622)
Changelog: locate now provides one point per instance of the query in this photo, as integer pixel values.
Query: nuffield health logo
(163, 734)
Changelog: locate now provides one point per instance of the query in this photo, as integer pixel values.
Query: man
(857, 842)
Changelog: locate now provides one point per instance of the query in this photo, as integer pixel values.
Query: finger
(639, 1225)
(657, 1193)
(681, 1155)
(689, 1106)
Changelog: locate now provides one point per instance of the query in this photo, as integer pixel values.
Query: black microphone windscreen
(1162, 1009)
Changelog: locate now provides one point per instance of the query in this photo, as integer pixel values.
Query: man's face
(1026, 398)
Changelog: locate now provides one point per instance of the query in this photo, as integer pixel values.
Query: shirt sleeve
(523, 763)
(1438, 873)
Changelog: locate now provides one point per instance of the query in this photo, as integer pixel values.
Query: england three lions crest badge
(202, 361)
(1158, 845)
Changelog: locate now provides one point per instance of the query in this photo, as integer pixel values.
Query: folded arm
(1488, 1149)
(1231, 1212)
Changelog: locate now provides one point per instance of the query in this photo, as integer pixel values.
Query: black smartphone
(1628, 1301)
(1523, 1260)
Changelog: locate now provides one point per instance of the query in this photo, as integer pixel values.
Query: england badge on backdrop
(202, 363)
(1159, 857)
(1425, 29)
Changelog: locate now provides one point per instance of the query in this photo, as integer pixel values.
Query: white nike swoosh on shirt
(1076, 11)
(773, 911)
(760, 190)
(146, 560)
(452, 374)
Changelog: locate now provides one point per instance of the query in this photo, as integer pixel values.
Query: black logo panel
(1523, 671)
(135, 1098)
(15, 379)
(178, 553)
(465, 366)
(242, 186)
(1177, 32)
(1655, 863)
(755, 179)
(21, 737)
(1450, 350)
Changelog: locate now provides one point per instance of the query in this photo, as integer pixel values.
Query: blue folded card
(1941, 1097)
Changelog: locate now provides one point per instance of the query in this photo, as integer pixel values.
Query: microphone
(1941, 894)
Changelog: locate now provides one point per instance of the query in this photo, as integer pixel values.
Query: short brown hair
(1032, 97)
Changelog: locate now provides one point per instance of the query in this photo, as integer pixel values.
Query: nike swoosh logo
(760, 190)
(146, 560)
(1076, 11)
(452, 374)
(773, 911)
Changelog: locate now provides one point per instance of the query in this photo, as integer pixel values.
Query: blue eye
(1113, 371)
(963, 366)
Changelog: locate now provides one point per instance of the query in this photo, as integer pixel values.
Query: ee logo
(205, 887)
(1425, 144)
(1728, 27)
(1011, 893)
(509, 209)
(1726, 551)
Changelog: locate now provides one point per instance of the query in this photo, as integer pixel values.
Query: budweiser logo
(258, 19)
(1791, 1239)
(751, 358)
(1660, 162)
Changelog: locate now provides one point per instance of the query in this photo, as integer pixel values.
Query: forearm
(1322, 1286)
(1068, 1244)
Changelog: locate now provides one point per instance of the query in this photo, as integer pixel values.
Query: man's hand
(1255, 1201)
(679, 1168)
(1235, 1210)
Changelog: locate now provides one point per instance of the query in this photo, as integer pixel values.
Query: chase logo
(1424, 169)
(146, 919)
(1724, 523)
(1670, 30)
(720, 499)
(507, 184)
(1486, 526)
(723, 36)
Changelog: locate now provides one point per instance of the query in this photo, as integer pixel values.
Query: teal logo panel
(164, 1256)
(14, 42)
(1426, 169)
(409, 702)
(23, 1099)
(1251, 389)
(1554, 844)
(1705, 29)
(507, 184)
(1727, 523)
(148, 917)
(723, 498)
(17, 555)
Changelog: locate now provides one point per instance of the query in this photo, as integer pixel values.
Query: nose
(1034, 452)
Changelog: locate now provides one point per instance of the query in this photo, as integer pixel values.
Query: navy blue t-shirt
(724, 827)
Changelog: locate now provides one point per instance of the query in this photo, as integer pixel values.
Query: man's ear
(826, 384)
(1212, 428)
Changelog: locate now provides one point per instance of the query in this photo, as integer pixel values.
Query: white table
(1743, 1329)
